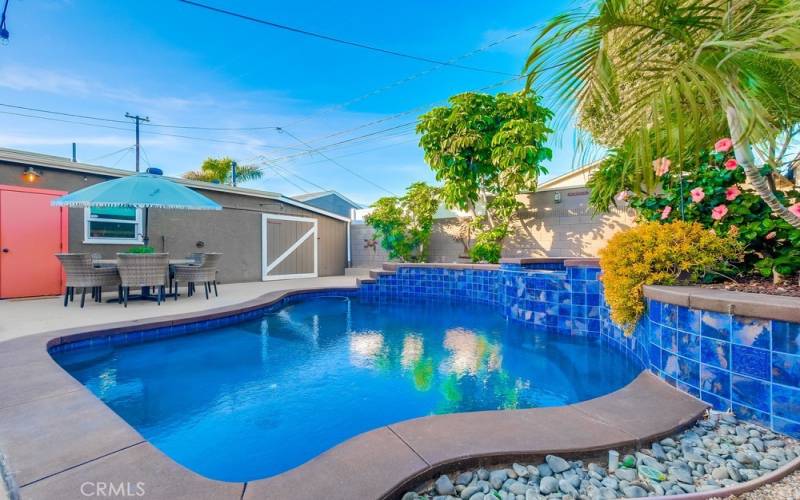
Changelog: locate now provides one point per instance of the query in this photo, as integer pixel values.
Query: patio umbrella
(145, 190)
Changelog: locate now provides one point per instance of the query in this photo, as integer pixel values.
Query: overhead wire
(334, 39)
(101, 157)
(129, 129)
(340, 165)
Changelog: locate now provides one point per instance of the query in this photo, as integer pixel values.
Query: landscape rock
(548, 485)
(557, 464)
(497, 478)
(444, 486)
(714, 453)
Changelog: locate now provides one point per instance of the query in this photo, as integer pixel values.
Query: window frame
(89, 240)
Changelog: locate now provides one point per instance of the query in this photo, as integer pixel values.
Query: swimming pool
(257, 398)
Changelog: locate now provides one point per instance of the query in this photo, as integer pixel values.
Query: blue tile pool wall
(748, 365)
(153, 334)
(566, 300)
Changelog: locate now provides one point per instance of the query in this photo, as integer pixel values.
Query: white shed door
(288, 247)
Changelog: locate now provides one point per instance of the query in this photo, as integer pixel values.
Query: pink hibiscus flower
(795, 209)
(623, 195)
(718, 212)
(697, 194)
(723, 145)
(661, 166)
(665, 213)
(731, 164)
(770, 235)
(732, 193)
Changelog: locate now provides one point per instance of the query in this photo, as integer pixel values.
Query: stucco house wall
(235, 230)
(545, 228)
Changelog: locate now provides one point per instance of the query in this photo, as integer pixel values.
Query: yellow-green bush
(658, 254)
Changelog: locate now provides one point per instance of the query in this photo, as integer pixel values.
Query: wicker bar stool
(143, 270)
(82, 274)
(205, 273)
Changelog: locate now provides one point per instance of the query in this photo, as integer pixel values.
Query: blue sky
(181, 65)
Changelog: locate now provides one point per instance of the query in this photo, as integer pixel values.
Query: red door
(31, 233)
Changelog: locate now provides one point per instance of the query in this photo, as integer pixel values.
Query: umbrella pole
(145, 238)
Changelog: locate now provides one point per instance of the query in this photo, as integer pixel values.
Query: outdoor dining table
(172, 262)
(145, 295)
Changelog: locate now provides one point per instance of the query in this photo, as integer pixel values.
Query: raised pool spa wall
(735, 351)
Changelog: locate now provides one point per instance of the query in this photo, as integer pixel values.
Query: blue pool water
(257, 398)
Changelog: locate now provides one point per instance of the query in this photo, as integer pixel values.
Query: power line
(128, 129)
(337, 40)
(417, 75)
(301, 188)
(126, 148)
(112, 120)
(121, 158)
(353, 172)
(294, 174)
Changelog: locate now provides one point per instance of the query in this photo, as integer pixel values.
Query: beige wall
(545, 229)
(235, 230)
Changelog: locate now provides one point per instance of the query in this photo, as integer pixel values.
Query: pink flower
(731, 164)
(795, 209)
(770, 235)
(661, 166)
(697, 194)
(723, 145)
(719, 212)
(732, 193)
(623, 195)
(665, 213)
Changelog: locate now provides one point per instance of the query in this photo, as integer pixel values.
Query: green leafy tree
(404, 224)
(486, 150)
(221, 170)
(658, 78)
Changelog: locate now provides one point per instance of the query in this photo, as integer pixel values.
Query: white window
(122, 225)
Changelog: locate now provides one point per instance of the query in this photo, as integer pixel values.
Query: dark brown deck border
(754, 305)
(57, 435)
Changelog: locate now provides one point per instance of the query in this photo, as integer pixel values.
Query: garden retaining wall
(735, 351)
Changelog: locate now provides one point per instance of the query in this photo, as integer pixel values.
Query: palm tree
(668, 77)
(221, 170)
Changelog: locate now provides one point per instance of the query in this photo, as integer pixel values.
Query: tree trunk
(744, 156)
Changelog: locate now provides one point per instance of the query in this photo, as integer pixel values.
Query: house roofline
(47, 161)
(580, 170)
(320, 194)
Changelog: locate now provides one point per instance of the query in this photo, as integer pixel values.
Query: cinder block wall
(546, 228)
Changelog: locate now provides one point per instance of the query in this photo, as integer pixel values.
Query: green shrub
(404, 224)
(488, 245)
(141, 249)
(658, 254)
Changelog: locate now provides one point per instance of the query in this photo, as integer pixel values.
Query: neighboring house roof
(57, 162)
(322, 194)
(573, 178)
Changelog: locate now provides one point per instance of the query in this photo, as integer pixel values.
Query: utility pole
(138, 119)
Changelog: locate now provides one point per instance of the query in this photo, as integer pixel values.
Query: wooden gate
(289, 247)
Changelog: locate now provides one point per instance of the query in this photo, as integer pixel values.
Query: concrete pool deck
(59, 439)
(19, 317)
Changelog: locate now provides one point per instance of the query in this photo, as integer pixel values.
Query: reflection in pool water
(257, 398)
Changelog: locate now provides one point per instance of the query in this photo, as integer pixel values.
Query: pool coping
(57, 436)
(753, 305)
